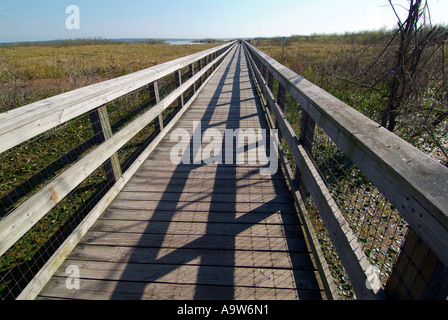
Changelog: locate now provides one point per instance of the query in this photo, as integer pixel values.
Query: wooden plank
(103, 290)
(254, 187)
(255, 259)
(202, 206)
(194, 241)
(251, 172)
(179, 228)
(207, 198)
(193, 275)
(195, 216)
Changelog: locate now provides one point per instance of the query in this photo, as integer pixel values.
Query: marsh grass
(35, 72)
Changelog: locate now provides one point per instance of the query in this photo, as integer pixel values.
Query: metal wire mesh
(378, 226)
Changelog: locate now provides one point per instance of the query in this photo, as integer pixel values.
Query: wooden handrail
(413, 182)
(19, 221)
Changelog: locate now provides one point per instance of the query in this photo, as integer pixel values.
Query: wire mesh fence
(378, 226)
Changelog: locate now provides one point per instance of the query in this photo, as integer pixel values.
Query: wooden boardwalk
(197, 231)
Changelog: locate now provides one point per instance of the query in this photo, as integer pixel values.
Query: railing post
(281, 97)
(281, 103)
(270, 80)
(263, 71)
(199, 69)
(307, 126)
(417, 273)
(154, 92)
(209, 59)
(103, 131)
(178, 80)
(192, 74)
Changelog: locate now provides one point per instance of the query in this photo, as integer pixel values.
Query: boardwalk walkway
(197, 231)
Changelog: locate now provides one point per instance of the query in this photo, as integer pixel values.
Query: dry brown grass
(34, 72)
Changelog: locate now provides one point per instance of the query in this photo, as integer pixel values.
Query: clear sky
(35, 20)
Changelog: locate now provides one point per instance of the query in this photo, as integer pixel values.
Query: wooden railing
(413, 183)
(22, 124)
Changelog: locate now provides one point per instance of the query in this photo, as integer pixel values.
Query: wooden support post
(103, 131)
(263, 71)
(417, 274)
(154, 94)
(281, 97)
(192, 74)
(178, 79)
(270, 80)
(207, 61)
(307, 126)
(281, 103)
(212, 58)
(199, 69)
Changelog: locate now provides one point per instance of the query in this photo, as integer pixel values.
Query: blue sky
(35, 20)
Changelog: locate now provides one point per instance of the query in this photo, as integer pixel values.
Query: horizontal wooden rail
(19, 221)
(414, 183)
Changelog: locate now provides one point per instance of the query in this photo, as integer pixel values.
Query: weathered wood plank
(104, 290)
(202, 197)
(256, 259)
(196, 216)
(189, 274)
(167, 187)
(208, 228)
(202, 206)
(194, 241)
